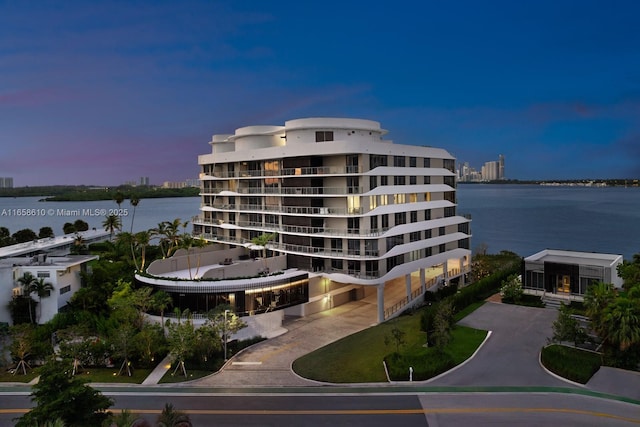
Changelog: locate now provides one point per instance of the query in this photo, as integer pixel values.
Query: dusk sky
(105, 92)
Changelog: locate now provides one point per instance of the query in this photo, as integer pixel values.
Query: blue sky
(105, 92)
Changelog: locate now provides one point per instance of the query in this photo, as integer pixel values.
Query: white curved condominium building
(354, 210)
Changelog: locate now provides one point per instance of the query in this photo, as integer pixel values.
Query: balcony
(308, 171)
(289, 191)
(295, 229)
(293, 210)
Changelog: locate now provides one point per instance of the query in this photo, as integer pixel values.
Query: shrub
(571, 363)
(511, 289)
(423, 367)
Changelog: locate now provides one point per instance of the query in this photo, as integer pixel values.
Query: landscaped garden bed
(571, 363)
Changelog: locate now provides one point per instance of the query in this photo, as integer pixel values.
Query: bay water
(520, 218)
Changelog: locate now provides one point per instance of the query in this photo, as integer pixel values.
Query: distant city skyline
(100, 93)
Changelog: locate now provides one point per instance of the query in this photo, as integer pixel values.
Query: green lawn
(358, 357)
(96, 375)
(8, 377)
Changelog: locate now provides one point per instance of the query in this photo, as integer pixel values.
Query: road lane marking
(416, 411)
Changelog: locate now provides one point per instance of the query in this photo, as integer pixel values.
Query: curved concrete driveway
(510, 355)
(269, 363)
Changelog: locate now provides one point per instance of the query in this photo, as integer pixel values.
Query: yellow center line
(372, 412)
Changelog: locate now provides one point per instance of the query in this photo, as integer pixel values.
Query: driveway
(510, 356)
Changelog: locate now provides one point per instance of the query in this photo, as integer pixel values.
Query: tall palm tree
(42, 289)
(161, 232)
(118, 198)
(141, 240)
(112, 223)
(187, 243)
(173, 235)
(161, 302)
(26, 283)
(134, 200)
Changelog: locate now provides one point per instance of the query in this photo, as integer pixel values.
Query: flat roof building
(570, 273)
(345, 205)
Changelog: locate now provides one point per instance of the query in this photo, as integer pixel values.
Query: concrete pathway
(156, 375)
(269, 363)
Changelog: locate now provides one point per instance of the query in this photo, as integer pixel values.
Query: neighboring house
(358, 213)
(62, 272)
(568, 273)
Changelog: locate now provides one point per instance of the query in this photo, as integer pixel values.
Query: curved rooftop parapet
(334, 123)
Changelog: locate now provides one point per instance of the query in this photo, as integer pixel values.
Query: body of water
(526, 219)
(27, 212)
(520, 218)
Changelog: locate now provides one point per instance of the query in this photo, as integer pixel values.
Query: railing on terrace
(353, 232)
(302, 191)
(388, 312)
(322, 170)
(300, 210)
(322, 251)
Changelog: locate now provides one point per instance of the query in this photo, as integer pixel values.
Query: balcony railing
(344, 254)
(294, 210)
(296, 229)
(322, 170)
(288, 191)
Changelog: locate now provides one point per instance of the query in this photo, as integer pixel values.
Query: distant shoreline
(563, 183)
(85, 193)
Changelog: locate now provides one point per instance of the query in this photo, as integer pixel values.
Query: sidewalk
(156, 375)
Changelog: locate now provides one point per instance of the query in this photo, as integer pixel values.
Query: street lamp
(225, 334)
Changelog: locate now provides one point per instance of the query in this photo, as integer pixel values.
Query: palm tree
(263, 240)
(161, 232)
(111, 224)
(42, 289)
(171, 417)
(78, 245)
(187, 243)
(621, 322)
(596, 300)
(26, 283)
(118, 198)
(173, 235)
(134, 200)
(199, 243)
(141, 240)
(161, 302)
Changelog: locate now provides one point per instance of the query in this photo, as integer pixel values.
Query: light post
(225, 334)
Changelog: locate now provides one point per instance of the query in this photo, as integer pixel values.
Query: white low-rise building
(569, 273)
(62, 272)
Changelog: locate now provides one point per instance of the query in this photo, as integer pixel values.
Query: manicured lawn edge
(358, 358)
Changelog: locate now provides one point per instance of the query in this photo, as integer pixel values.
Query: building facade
(569, 273)
(344, 204)
(62, 272)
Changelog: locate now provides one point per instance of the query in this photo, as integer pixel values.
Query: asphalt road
(374, 409)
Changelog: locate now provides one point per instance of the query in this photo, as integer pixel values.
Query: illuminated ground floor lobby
(263, 290)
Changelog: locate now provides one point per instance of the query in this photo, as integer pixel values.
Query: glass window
(324, 135)
(399, 161)
(399, 180)
(412, 162)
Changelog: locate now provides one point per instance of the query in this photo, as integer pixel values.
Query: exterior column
(407, 282)
(380, 289)
(423, 280)
(445, 271)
